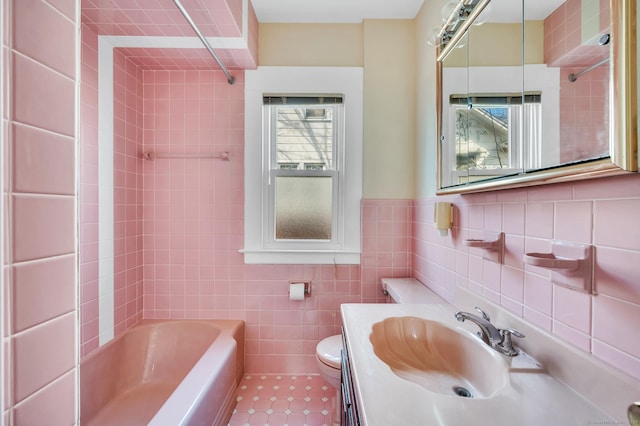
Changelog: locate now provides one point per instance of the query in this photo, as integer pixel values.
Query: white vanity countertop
(533, 397)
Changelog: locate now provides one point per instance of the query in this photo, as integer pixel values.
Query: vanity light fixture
(454, 14)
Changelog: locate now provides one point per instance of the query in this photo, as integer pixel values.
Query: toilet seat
(329, 350)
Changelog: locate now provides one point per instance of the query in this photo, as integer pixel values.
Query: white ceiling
(334, 11)
(354, 11)
(511, 11)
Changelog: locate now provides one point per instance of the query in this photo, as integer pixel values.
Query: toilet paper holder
(307, 286)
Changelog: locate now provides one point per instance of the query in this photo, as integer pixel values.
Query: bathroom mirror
(535, 91)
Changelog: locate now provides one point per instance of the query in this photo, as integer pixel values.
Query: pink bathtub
(164, 373)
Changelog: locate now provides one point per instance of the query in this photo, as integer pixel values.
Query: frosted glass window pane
(304, 135)
(303, 208)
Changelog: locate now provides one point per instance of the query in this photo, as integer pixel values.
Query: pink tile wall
(88, 197)
(127, 192)
(39, 263)
(584, 117)
(193, 208)
(584, 114)
(563, 40)
(215, 18)
(193, 229)
(386, 244)
(601, 212)
(179, 59)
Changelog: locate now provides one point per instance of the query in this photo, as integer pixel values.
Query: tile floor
(270, 400)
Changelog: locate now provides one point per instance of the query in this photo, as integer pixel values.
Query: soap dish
(492, 244)
(550, 261)
(571, 265)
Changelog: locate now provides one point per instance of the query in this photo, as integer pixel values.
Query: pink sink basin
(439, 358)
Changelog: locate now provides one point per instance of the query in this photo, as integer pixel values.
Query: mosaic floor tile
(270, 400)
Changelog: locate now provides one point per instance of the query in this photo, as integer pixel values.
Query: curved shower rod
(230, 79)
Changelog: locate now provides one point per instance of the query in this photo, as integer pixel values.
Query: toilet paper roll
(296, 291)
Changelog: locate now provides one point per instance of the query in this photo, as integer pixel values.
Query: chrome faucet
(498, 339)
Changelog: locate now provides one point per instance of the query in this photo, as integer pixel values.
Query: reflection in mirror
(529, 90)
(581, 54)
(455, 118)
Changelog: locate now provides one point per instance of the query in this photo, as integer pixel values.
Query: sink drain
(463, 392)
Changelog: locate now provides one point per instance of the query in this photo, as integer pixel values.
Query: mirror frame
(623, 105)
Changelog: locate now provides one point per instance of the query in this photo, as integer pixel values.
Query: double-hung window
(304, 137)
(303, 165)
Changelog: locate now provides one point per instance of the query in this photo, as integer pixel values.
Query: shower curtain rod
(150, 155)
(574, 77)
(230, 79)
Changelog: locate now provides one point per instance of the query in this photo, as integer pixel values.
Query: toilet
(328, 356)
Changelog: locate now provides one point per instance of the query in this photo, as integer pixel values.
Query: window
(303, 175)
(303, 168)
(490, 139)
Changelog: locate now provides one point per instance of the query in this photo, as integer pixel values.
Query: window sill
(298, 257)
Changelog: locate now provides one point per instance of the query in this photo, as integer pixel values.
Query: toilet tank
(409, 290)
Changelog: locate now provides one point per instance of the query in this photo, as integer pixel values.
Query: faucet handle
(484, 314)
(506, 345)
(512, 331)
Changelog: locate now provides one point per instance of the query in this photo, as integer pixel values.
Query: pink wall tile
(512, 306)
(55, 404)
(538, 319)
(42, 98)
(38, 21)
(42, 354)
(614, 219)
(538, 293)
(513, 218)
(67, 7)
(493, 217)
(614, 321)
(43, 226)
(573, 221)
(539, 220)
(43, 162)
(514, 250)
(572, 308)
(573, 336)
(43, 290)
(622, 360)
(512, 284)
(617, 273)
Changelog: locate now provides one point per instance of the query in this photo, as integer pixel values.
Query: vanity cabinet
(349, 412)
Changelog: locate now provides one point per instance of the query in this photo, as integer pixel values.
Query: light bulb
(432, 37)
(448, 9)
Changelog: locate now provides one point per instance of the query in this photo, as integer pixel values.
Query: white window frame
(259, 247)
(271, 173)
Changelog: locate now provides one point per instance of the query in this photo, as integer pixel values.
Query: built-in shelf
(492, 245)
(571, 265)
